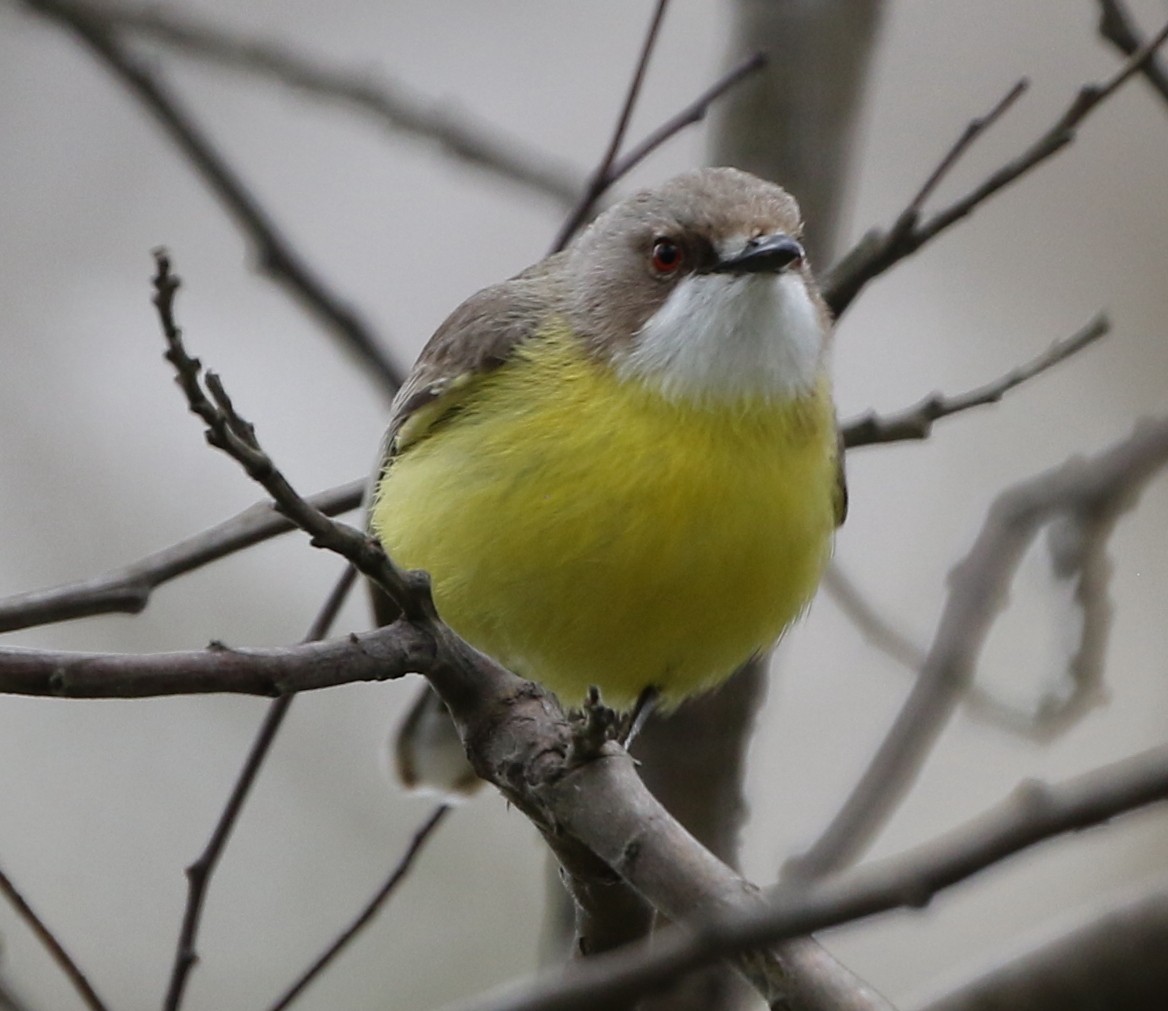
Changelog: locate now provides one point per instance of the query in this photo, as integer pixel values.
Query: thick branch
(1033, 814)
(1115, 962)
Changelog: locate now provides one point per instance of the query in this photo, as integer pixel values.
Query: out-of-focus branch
(274, 253)
(396, 877)
(1034, 813)
(54, 947)
(601, 179)
(1117, 961)
(693, 113)
(128, 589)
(1090, 494)
(1117, 26)
(457, 133)
(916, 422)
(200, 872)
(880, 249)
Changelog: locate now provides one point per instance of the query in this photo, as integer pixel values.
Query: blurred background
(102, 804)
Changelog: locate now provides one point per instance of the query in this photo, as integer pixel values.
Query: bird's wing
(476, 339)
(841, 480)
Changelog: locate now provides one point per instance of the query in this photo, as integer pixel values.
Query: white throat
(722, 335)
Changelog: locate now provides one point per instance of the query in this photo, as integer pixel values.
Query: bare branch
(52, 945)
(199, 873)
(275, 254)
(397, 875)
(881, 249)
(601, 178)
(693, 113)
(227, 431)
(1033, 814)
(1091, 492)
(917, 422)
(1117, 961)
(1117, 27)
(457, 134)
(128, 589)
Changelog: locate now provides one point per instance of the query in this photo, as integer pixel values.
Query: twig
(693, 113)
(917, 422)
(1033, 814)
(872, 625)
(1092, 492)
(9, 1001)
(127, 590)
(371, 909)
(457, 134)
(52, 945)
(1118, 28)
(600, 179)
(881, 249)
(275, 254)
(227, 431)
(199, 873)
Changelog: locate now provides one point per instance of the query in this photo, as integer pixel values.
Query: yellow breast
(585, 530)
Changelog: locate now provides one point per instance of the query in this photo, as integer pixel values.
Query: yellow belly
(584, 530)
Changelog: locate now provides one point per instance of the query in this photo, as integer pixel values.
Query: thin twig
(275, 254)
(457, 133)
(601, 179)
(1117, 27)
(872, 625)
(1035, 813)
(880, 249)
(1094, 492)
(916, 422)
(227, 431)
(693, 113)
(127, 590)
(199, 873)
(397, 875)
(52, 945)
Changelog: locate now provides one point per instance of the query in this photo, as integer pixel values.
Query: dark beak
(770, 254)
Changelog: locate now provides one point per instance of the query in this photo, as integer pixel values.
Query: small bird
(621, 467)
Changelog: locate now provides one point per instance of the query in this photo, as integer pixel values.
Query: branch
(1033, 814)
(1090, 493)
(881, 249)
(917, 422)
(457, 134)
(1118, 28)
(1117, 961)
(52, 945)
(127, 590)
(693, 113)
(601, 178)
(397, 875)
(275, 254)
(200, 872)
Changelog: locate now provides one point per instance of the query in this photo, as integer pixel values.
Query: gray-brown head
(700, 286)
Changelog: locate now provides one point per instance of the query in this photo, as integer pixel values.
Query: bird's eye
(666, 256)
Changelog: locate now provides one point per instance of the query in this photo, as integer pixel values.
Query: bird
(621, 467)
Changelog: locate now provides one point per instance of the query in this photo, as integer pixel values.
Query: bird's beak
(770, 254)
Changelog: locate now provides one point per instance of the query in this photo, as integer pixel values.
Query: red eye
(666, 256)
